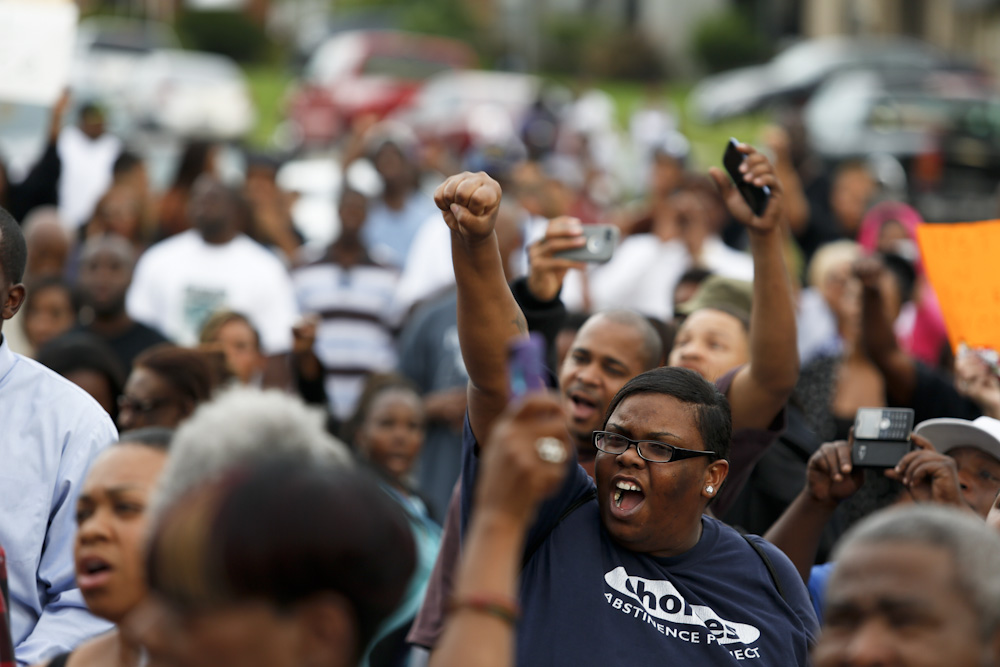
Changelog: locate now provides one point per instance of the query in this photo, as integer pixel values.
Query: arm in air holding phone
(759, 391)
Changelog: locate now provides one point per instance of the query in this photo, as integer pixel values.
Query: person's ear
(328, 632)
(715, 475)
(15, 299)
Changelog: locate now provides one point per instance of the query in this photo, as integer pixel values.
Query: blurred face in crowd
(604, 356)
(665, 510)
(979, 476)
(392, 434)
(48, 244)
(213, 210)
(353, 211)
(252, 633)
(666, 175)
(711, 343)
(105, 275)
(394, 167)
(842, 293)
(48, 313)
(899, 603)
(111, 526)
(852, 190)
(118, 212)
(92, 123)
(241, 347)
(149, 400)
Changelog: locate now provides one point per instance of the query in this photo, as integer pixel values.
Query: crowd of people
(225, 446)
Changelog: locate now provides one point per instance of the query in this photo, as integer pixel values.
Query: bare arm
(761, 388)
(899, 369)
(488, 316)
(830, 478)
(514, 480)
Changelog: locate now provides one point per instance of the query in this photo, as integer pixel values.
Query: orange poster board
(963, 265)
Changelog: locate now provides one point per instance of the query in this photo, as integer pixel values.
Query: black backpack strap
(577, 504)
(769, 565)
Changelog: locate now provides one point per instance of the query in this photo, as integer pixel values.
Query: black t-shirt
(935, 396)
(131, 343)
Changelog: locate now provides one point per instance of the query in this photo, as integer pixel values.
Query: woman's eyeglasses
(651, 450)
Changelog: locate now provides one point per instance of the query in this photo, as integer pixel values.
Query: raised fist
(469, 203)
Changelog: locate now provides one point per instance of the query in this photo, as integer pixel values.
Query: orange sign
(963, 264)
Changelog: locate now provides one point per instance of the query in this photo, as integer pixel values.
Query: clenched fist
(469, 203)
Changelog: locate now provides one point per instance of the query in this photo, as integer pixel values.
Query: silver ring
(550, 450)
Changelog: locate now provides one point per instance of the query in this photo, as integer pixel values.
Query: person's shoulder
(61, 397)
(170, 246)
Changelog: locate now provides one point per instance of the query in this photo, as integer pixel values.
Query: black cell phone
(526, 365)
(756, 198)
(881, 437)
(601, 242)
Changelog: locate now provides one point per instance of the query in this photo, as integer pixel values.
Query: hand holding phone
(755, 197)
(599, 245)
(881, 437)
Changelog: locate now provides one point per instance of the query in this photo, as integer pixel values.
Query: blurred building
(967, 27)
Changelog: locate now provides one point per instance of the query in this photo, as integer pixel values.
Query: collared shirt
(50, 431)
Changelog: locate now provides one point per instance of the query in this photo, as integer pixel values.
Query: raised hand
(975, 379)
(527, 458)
(928, 475)
(830, 475)
(869, 270)
(758, 171)
(547, 272)
(469, 203)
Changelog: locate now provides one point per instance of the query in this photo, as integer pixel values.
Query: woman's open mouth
(626, 498)
(92, 573)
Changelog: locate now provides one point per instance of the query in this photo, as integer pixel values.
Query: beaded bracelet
(500, 606)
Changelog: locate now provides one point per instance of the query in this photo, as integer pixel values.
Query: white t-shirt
(644, 271)
(181, 281)
(86, 173)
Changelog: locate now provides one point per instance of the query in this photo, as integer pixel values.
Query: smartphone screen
(756, 198)
(526, 365)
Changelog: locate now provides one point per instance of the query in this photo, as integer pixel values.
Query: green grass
(268, 84)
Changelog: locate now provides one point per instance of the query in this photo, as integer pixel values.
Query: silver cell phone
(881, 437)
(600, 246)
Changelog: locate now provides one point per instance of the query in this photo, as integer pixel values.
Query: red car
(366, 72)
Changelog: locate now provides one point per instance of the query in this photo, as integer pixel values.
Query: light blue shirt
(388, 234)
(50, 431)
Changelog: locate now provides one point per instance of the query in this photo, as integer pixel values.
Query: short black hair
(652, 343)
(281, 530)
(13, 249)
(712, 414)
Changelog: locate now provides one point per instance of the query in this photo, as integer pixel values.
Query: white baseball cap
(947, 433)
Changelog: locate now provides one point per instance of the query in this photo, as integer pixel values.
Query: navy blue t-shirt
(587, 601)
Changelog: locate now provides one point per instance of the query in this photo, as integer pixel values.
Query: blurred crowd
(296, 479)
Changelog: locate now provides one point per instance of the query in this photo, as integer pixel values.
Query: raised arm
(830, 478)
(514, 480)
(761, 388)
(899, 369)
(488, 316)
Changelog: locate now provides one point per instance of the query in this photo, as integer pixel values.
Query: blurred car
(365, 72)
(794, 74)
(466, 107)
(192, 94)
(109, 50)
(942, 127)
